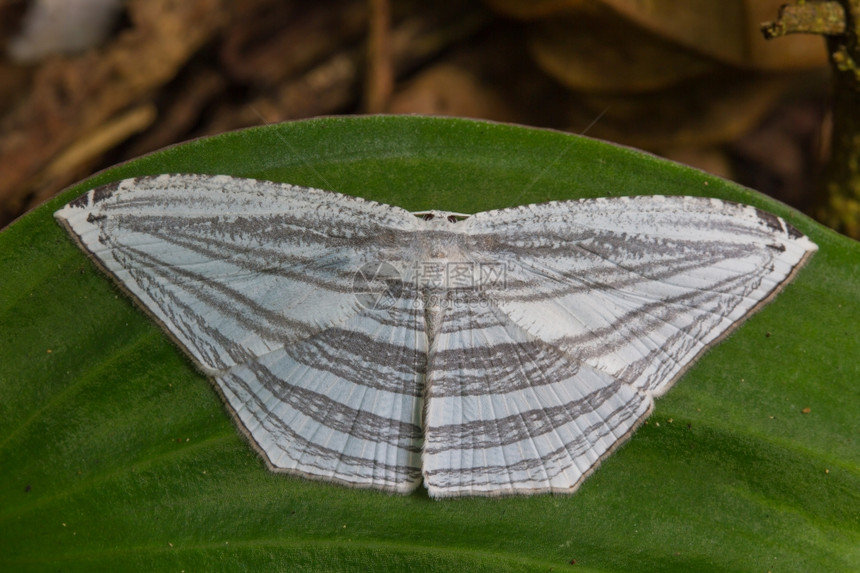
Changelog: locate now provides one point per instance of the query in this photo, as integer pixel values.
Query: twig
(839, 22)
(380, 72)
(827, 18)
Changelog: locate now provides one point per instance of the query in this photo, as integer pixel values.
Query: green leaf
(117, 455)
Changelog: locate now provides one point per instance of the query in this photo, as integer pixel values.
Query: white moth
(506, 352)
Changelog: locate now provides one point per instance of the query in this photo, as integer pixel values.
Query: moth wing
(582, 313)
(510, 414)
(274, 291)
(636, 287)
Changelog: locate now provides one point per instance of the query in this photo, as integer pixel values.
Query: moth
(505, 352)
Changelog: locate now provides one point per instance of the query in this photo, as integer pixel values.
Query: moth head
(440, 219)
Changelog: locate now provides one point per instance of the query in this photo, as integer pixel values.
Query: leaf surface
(118, 455)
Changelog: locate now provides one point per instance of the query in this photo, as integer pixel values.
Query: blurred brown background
(85, 84)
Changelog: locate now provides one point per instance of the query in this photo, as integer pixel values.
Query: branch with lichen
(839, 22)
